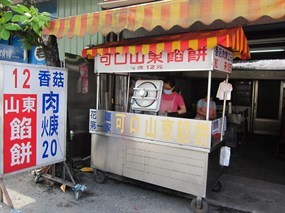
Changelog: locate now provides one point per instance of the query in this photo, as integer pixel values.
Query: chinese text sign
(165, 61)
(203, 59)
(155, 128)
(223, 59)
(34, 116)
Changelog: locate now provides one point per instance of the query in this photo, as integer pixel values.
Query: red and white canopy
(167, 13)
(233, 39)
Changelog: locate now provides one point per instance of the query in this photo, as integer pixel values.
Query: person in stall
(172, 103)
(202, 109)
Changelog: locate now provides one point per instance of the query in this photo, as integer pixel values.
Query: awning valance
(166, 14)
(233, 39)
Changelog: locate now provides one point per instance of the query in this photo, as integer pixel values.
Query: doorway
(267, 106)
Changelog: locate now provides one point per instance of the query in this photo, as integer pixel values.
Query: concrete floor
(249, 195)
(255, 158)
(255, 179)
(254, 182)
(111, 197)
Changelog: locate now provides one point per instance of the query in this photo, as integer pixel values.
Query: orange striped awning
(166, 14)
(233, 39)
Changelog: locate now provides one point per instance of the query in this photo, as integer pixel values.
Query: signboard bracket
(49, 172)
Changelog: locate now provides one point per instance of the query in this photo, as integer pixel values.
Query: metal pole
(98, 90)
(128, 92)
(224, 110)
(208, 94)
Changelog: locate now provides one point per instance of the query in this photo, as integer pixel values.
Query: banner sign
(190, 60)
(12, 53)
(223, 59)
(190, 132)
(33, 116)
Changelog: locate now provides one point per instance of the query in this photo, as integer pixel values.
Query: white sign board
(190, 60)
(223, 59)
(33, 116)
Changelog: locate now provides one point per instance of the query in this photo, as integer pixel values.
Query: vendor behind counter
(172, 103)
(202, 109)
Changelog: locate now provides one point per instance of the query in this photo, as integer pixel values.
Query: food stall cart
(176, 153)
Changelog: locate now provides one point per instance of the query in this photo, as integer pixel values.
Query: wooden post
(5, 193)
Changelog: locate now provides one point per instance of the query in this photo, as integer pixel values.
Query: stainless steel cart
(176, 153)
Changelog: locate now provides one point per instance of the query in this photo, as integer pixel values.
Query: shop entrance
(267, 106)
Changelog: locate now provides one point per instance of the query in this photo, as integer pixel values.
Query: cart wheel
(100, 176)
(199, 206)
(218, 186)
(76, 195)
(34, 173)
(38, 179)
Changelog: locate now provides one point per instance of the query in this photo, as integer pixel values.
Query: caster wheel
(199, 208)
(218, 186)
(38, 179)
(100, 176)
(76, 195)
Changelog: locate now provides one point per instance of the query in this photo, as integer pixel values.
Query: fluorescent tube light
(266, 50)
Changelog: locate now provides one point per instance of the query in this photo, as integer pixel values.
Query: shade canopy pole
(208, 94)
(224, 109)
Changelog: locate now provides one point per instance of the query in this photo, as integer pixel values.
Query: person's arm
(181, 105)
(215, 111)
(200, 112)
(182, 109)
(215, 115)
(199, 109)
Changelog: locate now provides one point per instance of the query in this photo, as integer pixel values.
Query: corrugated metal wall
(74, 7)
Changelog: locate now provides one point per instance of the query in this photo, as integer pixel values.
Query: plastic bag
(225, 155)
(235, 118)
(15, 211)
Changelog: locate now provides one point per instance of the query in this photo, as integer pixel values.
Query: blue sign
(4, 41)
(36, 56)
(16, 41)
(12, 53)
